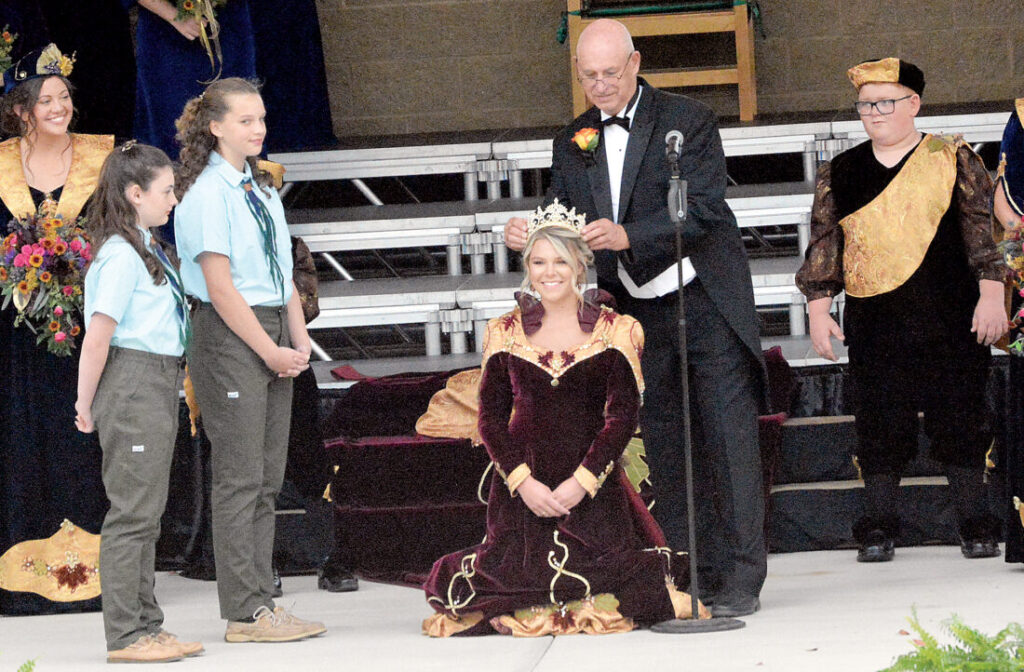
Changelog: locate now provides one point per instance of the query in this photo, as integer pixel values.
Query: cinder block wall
(417, 66)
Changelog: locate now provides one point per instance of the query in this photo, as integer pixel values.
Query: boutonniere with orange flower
(587, 139)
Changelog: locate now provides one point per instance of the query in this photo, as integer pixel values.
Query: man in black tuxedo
(622, 185)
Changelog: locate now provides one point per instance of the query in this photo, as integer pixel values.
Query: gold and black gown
(49, 471)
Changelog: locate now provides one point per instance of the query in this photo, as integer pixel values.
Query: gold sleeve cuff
(585, 478)
(516, 478)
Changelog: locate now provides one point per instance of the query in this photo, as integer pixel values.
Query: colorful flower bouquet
(41, 267)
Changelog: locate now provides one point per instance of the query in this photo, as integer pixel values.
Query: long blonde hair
(567, 244)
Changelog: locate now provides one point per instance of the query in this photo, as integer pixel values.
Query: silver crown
(555, 215)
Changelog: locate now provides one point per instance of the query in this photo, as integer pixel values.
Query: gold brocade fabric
(885, 70)
(87, 155)
(63, 568)
(597, 615)
(886, 240)
(443, 625)
(452, 412)
(275, 169)
(611, 331)
(681, 602)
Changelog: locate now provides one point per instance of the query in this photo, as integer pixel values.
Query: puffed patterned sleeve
(496, 402)
(623, 390)
(974, 199)
(822, 272)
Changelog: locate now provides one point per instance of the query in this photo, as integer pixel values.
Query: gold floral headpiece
(49, 61)
(555, 215)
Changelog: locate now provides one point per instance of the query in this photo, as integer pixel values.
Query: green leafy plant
(973, 650)
(28, 666)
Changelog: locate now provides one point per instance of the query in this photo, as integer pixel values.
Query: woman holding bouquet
(49, 473)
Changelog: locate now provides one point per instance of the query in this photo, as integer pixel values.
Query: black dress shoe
(278, 589)
(979, 548)
(336, 580)
(877, 547)
(735, 604)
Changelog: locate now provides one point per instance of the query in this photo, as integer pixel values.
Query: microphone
(673, 145)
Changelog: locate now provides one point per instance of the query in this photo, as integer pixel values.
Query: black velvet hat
(44, 62)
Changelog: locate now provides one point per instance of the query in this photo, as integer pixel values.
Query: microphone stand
(677, 213)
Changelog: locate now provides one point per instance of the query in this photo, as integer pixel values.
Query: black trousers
(724, 388)
(889, 392)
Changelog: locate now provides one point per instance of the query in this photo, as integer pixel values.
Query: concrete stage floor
(821, 611)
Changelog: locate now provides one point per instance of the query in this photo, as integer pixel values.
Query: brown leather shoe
(145, 649)
(188, 649)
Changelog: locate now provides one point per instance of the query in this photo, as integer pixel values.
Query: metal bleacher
(457, 306)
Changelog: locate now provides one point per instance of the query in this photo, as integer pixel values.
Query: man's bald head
(605, 34)
(607, 64)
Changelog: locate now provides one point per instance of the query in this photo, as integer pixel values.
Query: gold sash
(887, 239)
(87, 155)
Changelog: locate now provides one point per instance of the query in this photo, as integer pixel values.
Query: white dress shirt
(615, 140)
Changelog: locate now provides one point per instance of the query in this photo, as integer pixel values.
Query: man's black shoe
(877, 547)
(735, 604)
(336, 580)
(979, 548)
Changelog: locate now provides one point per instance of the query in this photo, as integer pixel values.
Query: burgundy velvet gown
(602, 568)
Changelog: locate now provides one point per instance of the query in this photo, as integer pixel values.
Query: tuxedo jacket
(710, 235)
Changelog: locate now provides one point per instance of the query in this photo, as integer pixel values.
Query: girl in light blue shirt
(250, 341)
(137, 331)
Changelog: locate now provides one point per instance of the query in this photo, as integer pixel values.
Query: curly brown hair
(194, 134)
(24, 97)
(110, 212)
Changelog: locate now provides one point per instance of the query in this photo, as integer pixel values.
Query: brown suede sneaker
(270, 627)
(315, 627)
(188, 649)
(145, 649)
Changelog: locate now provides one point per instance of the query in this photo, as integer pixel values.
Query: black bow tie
(621, 121)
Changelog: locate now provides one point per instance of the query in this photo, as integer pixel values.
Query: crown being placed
(555, 215)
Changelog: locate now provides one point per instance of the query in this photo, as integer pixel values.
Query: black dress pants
(724, 389)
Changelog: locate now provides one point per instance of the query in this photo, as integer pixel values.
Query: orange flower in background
(587, 139)
(60, 247)
(75, 330)
(3, 275)
(47, 243)
(45, 276)
(8, 38)
(188, 5)
(55, 326)
(23, 287)
(36, 260)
